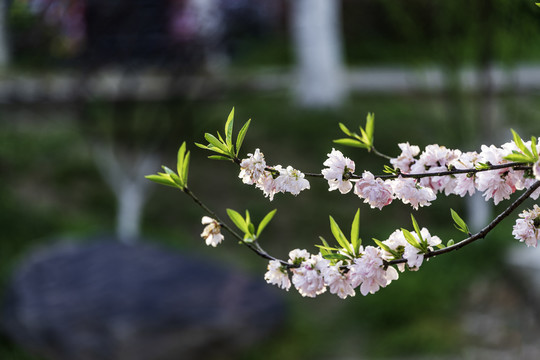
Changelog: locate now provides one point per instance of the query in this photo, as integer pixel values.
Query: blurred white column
(208, 16)
(125, 176)
(4, 45)
(316, 32)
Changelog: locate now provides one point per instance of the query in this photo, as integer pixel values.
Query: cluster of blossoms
(271, 180)
(313, 274)
(496, 184)
(397, 247)
(527, 229)
(376, 192)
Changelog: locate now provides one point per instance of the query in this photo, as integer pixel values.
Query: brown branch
(515, 165)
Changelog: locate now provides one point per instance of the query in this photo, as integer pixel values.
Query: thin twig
(515, 165)
(380, 154)
(254, 246)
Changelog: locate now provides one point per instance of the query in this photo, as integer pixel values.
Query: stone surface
(105, 300)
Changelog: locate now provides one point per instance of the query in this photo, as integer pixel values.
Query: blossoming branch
(415, 177)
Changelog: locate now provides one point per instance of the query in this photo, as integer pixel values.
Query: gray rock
(105, 300)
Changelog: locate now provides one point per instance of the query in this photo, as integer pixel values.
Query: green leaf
(324, 251)
(345, 129)
(411, 239)
(355, 231)
(335, 257)
(251, 229)
(219, 151)
(221, 139)
(370, 126)
(534, 148)
(215, 142)
(327, 248)
(202, 146)
(265, 221)
(229, 129)
(351, 142)
(389, 170)
(173, 176)
(162, 179)
(518, 158)
(325, 245)
(219, 157)
(241, 135)
(417, 230)
(365, 138)
(520, 144)
(248, 238)
(238, 220)
(450, 243)
(185, 169)
(482, 166)
(459, 223)
(340, 237)
(180, 157)
(384, 246)
(324, 242)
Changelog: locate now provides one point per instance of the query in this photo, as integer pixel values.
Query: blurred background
(96, 262)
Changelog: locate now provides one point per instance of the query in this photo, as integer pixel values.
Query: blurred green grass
(50, 182)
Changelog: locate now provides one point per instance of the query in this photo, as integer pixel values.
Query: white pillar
(4, 44)
(125, 176)
(210, 29)
(316, 32)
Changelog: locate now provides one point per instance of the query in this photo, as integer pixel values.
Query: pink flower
(527, 228)
(408, 191)
(375, 192)
(338, 281)
(308, 278)
(268, 184)
(536, 170)
(497, 184)
(277, 275)
(298, 256)
(252, 168)
(404, 161)
(368, 272)
(415, 256)
(338, 169)
(465, 183)
(397, 243)
(291, 180)
(436, 159)
(212, 231)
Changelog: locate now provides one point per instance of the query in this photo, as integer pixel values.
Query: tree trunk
(125, 176)
(316, 33)
(4, 44)
(210, 31)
